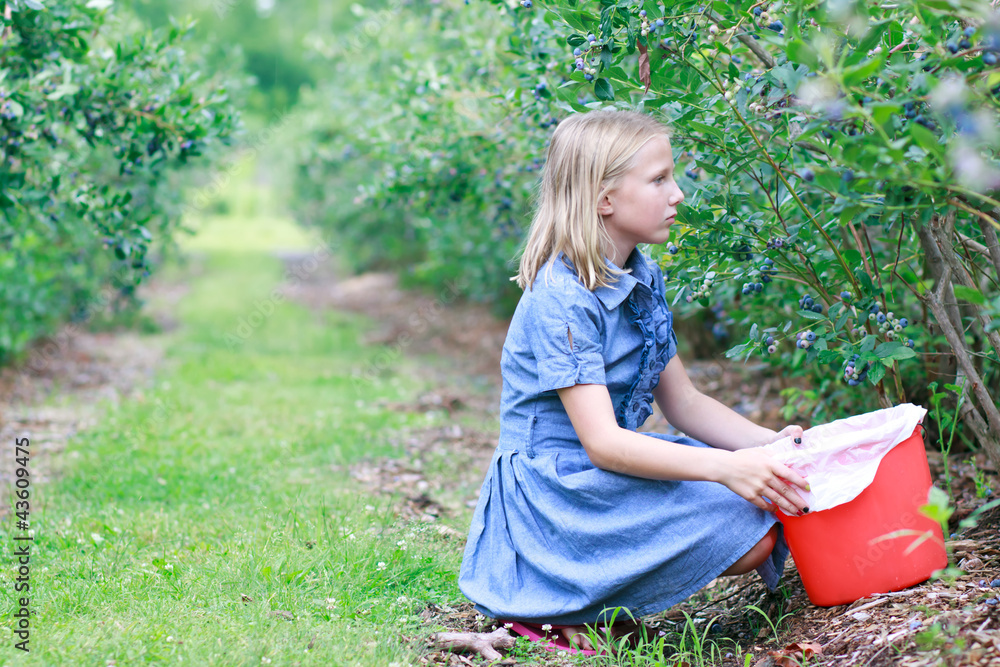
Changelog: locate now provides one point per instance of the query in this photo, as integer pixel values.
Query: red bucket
(838, 551)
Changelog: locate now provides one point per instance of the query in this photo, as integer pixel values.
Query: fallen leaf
(793, 654)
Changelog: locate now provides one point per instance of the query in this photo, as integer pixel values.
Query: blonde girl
(579, 514)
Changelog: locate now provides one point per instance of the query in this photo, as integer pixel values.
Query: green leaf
(868, 344)
(886, 350)
(857, 74)
(865, 280)
(603, 90)
(903, 353)
(926, 139)
(876, 372)
(826, 356)
(800, 52)
(736, 351)
(937, 507)
(868, 42)
(970, 294)
(810, 315)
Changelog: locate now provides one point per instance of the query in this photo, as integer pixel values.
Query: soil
(936, 622)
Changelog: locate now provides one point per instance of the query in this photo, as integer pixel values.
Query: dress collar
(613, 295)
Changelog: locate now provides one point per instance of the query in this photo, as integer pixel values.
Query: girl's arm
(704, 418)
(750, 473)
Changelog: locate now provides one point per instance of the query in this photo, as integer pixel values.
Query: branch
(990, 234)
(757, 50)
(978, 389)
(749, 42)
(942, 235)
(482, 643)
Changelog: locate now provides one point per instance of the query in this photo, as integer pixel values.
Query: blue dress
(555, 539)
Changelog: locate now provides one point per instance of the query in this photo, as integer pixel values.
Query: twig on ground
(485, 644)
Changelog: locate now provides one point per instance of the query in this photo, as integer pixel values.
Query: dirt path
(59, 388)
(929, 624)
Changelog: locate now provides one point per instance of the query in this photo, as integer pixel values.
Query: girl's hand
(752, 474)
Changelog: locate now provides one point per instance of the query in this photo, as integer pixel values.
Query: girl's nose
(678, 195)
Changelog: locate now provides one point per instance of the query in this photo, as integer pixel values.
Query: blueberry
(952, 47)
(588, 77)
(777, 26)
(992, 602)
(846, 296)
(911, 113)
(580, 64)
(847, 176)
(995, 583)
(875, 308)
(758, 287)
(810, 336)
(808, 174)
(672, 249)
(964, 43)
(770, 340)
(768, 261)
(642, 12)
(801, 344)
(757, 11)
(853, 383)
(765, 278)
(903, 322)
(577, 51)
(659, 23)
(771, 349)
(817, 308)
(691, 173)
(989, 58)
(970, 31)
(880, 318)
(591, 38)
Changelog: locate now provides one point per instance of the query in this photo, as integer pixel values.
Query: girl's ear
(604, 206)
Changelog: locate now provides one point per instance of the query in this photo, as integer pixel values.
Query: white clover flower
(380, 566)
(547, 627)
(508, 625)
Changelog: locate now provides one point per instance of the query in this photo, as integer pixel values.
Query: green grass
(175, 528)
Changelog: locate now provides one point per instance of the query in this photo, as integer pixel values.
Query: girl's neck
(618, 256)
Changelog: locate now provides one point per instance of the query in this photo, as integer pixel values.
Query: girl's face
(642, 208)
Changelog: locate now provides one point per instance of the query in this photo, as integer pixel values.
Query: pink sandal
(550, 641)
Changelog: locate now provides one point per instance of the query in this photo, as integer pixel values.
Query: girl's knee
(758, 553)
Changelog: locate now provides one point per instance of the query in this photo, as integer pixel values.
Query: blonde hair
(588, 157)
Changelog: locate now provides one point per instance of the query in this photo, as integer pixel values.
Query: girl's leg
(753, 559)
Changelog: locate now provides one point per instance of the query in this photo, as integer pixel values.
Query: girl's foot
(580, 635)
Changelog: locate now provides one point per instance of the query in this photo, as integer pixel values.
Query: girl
(579, 514)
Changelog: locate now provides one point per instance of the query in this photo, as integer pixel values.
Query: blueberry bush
(842, 178)
(96, 114)
(432, 171)
(839, 161)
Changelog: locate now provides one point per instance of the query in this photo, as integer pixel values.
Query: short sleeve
(559, 312)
